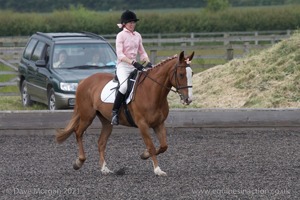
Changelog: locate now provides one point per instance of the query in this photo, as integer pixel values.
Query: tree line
(108, 5)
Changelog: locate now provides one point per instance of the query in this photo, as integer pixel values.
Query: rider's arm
(143, 54)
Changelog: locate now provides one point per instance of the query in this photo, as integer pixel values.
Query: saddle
(108, 93)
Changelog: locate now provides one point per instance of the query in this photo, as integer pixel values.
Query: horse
(149, 108)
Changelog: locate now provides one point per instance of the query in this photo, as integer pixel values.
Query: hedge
(153, 21)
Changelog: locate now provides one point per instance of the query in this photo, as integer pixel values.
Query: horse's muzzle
(186, 101)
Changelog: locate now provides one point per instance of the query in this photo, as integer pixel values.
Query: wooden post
(256, 37)
(229, 52)
(159, 40)
(226, 39)
(153, 53)
(273, 39)
(192, 39)
(246, 47)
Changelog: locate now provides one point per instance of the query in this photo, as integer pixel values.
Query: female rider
(128, 45)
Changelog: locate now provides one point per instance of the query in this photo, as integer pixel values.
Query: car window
(83, 54)
(29, 48)
(38, 51)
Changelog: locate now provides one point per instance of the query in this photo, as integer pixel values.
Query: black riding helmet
(128, 16)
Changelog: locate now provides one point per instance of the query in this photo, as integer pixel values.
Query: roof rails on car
(84, 32)
(44, 34)
(93, 35)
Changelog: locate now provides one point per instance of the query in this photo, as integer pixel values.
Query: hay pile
(266, 79)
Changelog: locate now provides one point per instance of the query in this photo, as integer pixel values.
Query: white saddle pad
(108, 93)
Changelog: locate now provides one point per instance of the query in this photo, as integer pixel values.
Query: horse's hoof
(75, 166)
(159, 172)
(78, 164)
(145, 155)
(105, 170)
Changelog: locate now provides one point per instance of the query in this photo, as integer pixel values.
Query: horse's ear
(181, 57)
(191, 56)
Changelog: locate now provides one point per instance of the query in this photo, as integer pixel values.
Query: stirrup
(115, 119)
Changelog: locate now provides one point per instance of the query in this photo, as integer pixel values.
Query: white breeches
(123, 71)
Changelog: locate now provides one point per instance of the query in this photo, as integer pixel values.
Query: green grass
(5, 68)
(9, 89)
(6, 78)
(14, 103)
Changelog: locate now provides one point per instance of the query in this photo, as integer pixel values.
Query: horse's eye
(181, 75)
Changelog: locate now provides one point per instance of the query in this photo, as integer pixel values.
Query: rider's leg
(123, 71)
(117, 104)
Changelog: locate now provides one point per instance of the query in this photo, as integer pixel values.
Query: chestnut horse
(149, 108)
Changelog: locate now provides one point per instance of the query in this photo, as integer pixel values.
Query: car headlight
(68, 86)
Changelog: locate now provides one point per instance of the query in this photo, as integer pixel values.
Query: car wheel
(51, 100)
(26, 100)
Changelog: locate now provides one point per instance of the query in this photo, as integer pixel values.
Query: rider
(128, 45)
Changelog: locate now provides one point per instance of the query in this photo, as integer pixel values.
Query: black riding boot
(115, 112)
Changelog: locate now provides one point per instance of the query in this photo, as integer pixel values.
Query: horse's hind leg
(83, 125)
(162, 137)
(102, 141)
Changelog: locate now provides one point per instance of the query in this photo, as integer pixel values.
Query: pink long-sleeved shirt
(130, 44)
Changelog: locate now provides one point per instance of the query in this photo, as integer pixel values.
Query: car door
(41, 74)
(28, 67)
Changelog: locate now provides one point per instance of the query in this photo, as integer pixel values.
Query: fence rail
(230, 44)
(182, 38)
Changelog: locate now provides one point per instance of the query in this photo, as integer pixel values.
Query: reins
(176, 80)
(163, 86)
(146, 75)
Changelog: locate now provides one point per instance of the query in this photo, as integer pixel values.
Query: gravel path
(201, 164)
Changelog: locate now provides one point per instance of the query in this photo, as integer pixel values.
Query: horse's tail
(63, 134)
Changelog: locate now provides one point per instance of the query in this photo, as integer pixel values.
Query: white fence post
(153, 53)
(256, 36)
(159, 40)
(192, 39)
(226, 39)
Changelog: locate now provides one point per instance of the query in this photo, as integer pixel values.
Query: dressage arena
(212, 154)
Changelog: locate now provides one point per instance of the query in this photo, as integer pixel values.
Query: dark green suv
(53, 64)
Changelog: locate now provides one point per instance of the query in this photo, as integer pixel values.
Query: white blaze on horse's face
(189, 74)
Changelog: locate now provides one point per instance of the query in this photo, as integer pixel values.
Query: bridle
(176, 79)
(174, 75)
(178, 87)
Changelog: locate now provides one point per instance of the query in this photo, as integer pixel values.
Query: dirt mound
(265, 79)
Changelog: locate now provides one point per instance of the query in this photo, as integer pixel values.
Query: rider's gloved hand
(138, 66)
(149, 65)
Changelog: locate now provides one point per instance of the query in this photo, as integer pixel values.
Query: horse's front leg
(161, 133)
(151, 150)
(102, 141)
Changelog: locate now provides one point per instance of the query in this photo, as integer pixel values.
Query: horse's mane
(166, 60)
(157, 65)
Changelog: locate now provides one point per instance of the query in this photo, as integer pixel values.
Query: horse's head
(182, 78)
